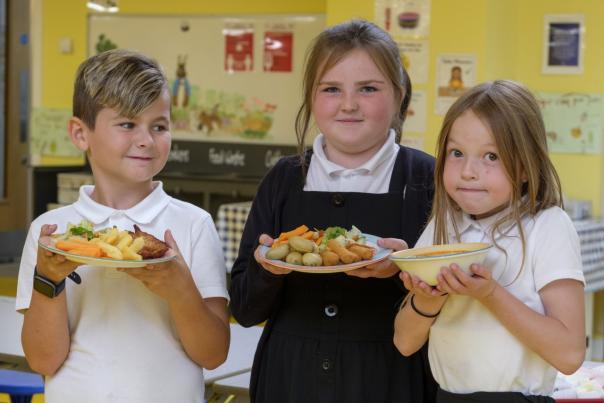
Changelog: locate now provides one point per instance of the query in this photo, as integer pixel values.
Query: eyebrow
(365, 82)
(451, 140)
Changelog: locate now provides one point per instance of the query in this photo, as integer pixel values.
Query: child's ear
(78, 132)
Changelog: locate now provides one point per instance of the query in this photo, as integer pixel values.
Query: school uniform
(470, 350)
(328, 337)
(124, 345)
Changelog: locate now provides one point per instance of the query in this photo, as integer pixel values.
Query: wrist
(48, 274)
(47, 286)
(491, 294)
(427, 307)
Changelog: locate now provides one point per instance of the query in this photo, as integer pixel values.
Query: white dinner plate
(371, 240)
(48, 242)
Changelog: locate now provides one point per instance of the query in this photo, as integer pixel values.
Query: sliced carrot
(319, 239)
(297, 231)
(93, 252)
(78, 239)
(68, 245)
(308, 235)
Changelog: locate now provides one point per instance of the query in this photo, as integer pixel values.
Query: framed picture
(563, 44)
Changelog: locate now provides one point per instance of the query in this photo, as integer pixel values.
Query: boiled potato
(294, 258)
(301, 245)
(311, 259)
(278, 252)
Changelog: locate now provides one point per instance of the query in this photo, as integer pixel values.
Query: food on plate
(344, 254)
(331, 247)
(152, 248)
(111, 243)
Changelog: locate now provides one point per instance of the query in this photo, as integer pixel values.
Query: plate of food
(333, 250)
(109, 247)
(426, 262)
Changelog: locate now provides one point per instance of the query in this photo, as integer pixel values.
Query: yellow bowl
(426, 262)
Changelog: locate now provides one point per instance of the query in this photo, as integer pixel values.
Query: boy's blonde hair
(120, 79)
(513, 116)
(334, 44)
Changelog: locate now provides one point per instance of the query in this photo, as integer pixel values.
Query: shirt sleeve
(557, 253)
(27, 265)
(255, 292)
(207, 264)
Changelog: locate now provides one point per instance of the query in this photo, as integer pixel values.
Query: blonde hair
(335, 43)
(513, 116)
(120, 79)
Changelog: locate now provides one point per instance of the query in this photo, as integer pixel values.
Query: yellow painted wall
(506, 37)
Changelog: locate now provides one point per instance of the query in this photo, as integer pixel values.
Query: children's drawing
(181, 89)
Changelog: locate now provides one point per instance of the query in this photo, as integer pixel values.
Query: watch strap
(46, 286)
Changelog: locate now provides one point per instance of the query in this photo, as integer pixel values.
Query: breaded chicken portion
(153, 248)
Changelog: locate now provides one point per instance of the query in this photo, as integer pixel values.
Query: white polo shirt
(470, 350)
(371, 177)
(124, 346)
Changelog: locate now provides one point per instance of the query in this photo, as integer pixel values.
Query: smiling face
(474, 175)
(354, 106)
(126, 151)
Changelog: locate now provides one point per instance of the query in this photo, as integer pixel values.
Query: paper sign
(238, 48)
(573, 122)
(49, 137)
(278, 51)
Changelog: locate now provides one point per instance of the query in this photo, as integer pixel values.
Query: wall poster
(414, 55)
(455, 74)
(278, 48)
(563, 44)
(238, 47)
(233, 78)
(404, 18)
(573, 122)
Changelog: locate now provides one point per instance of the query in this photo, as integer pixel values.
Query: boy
(126, 335)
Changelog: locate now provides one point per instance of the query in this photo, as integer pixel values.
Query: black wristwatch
(46, 286)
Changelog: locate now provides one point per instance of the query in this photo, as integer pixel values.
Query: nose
(469, 169)
(349, 102)
(143, 138)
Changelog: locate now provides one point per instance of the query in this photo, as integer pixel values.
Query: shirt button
(338, 200)
(331, 310)
(326, 365)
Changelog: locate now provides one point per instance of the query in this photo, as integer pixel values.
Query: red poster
(238, 50)
(278, 51)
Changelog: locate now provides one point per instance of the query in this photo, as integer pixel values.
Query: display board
(573, 121)
(233, 79)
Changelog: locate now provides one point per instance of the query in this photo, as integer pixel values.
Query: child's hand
(268, 241)
(385, 268)
(50, 265)
(171, 280)
(417, 286)
(479, 285)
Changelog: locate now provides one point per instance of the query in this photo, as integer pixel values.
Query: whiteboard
(237, 84)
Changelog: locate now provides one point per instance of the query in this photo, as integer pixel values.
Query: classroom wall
(505, 36)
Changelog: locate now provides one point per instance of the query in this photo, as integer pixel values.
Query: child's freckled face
(474, 175)
(354, 103)
(131, 150)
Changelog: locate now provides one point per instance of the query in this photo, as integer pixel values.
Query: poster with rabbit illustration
(231, 79)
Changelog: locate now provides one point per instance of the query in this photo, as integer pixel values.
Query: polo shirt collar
(465, 222)
(383, 155)
(142, 213)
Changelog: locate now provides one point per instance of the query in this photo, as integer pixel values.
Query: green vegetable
(333, 232)
(84, 228)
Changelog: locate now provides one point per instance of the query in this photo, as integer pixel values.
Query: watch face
(46, 287)
(43, 287)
